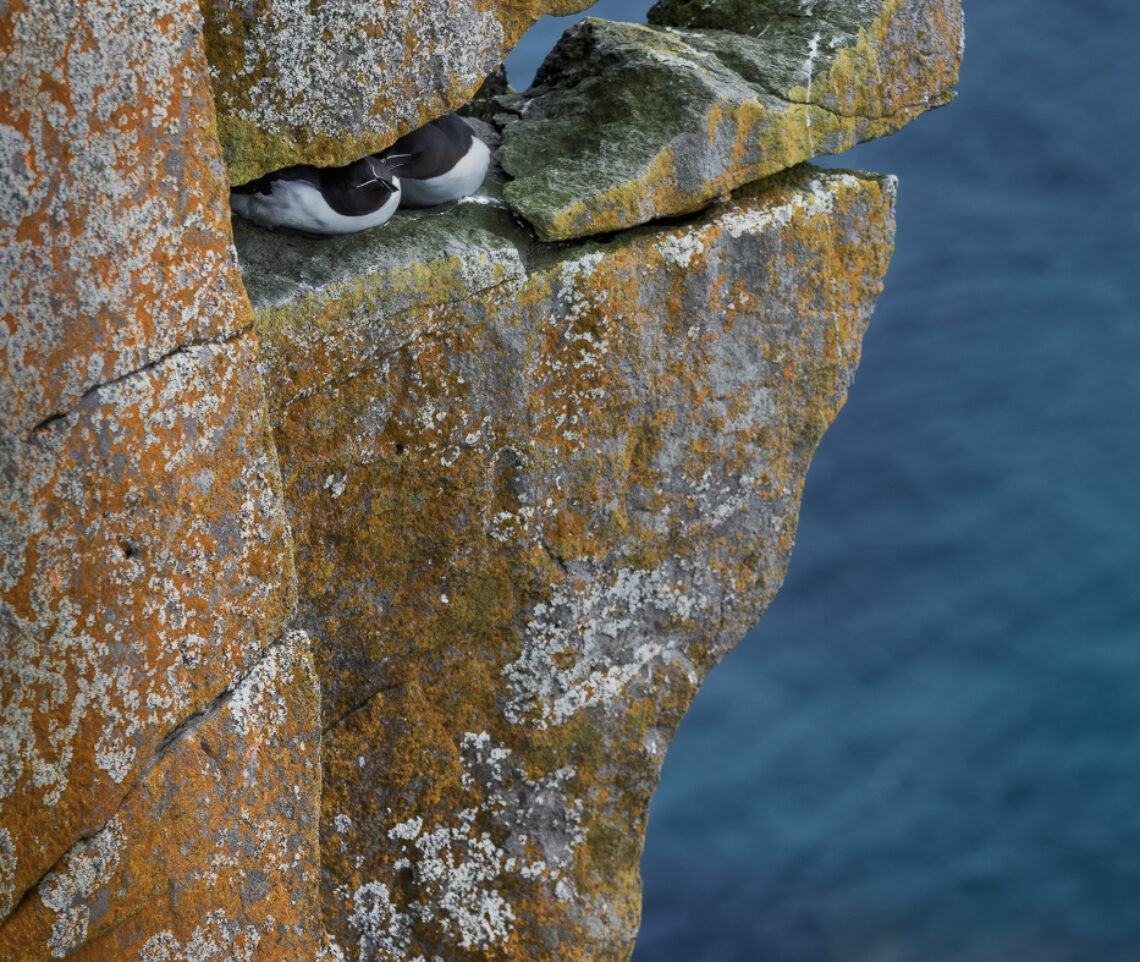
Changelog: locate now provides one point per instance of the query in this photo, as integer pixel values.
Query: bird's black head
(358, 188)
(369, 173)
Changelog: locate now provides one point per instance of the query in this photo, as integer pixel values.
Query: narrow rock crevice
(52, 421)
(29, 893)
(363, 703)
(938, 100)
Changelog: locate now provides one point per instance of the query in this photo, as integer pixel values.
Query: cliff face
(351, 590)
(531, 509)
(147, 571)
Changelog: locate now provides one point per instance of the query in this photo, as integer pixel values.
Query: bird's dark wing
(430, 150)
(264, 184)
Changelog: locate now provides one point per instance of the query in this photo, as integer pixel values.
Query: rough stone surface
(145, 560)
(536, 493)
(145, 565)
(212, 857)
(520, 495)
(326, 83)
(637, 122)
(108, 259)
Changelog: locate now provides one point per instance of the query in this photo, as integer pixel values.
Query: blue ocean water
(929, 748)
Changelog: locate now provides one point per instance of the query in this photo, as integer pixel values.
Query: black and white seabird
(315, 201)
(441, 161)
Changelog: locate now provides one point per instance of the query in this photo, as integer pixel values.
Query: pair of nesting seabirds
(440, 161)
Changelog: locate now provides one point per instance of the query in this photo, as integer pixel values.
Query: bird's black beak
(396, 160)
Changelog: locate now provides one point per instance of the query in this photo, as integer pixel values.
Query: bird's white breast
(299, 205)
(463, 179)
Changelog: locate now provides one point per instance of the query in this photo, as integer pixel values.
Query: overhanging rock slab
(627, 123)
(326, 83)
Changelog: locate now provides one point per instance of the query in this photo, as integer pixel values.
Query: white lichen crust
(524, 828)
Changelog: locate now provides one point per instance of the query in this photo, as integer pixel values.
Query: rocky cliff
(351, 590)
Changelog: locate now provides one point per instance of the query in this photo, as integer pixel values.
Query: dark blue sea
(929, 748)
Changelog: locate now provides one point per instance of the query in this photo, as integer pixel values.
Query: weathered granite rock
(146, 565)
(213, 855)
(536, 492)
(108, 260)
(627, 123)
(327, 83)
(145, 561)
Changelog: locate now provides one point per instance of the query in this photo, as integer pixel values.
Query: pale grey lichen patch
(575, 292)
(96, 683)
(817, 195)
(589, 641)
(21, 190)
(115, 751)
(217, 938)
(540, 813)
(70, 892)
(332, 68)
(524, 827)
(461, 866)
(258, 702)
(681, 249)
(381, 929)
(332, 952)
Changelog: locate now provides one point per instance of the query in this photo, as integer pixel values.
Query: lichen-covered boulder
(536, 492)
(627, 123)
(326, 83)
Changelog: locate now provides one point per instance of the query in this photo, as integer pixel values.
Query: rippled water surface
(929, 749)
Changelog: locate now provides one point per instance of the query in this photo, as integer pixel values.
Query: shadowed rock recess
(351, 590)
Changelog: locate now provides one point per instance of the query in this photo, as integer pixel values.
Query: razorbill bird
(315, 201)
(441, 161)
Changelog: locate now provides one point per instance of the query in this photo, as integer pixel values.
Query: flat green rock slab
(402, 256)
(439, 253)
(627, 123)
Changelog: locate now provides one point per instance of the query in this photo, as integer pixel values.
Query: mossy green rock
(627, 123)
(536, 491)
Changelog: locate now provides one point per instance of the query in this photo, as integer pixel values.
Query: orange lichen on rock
(148, 566)
(526, 526)
(213, 855)
(146, 561)
(108, 260)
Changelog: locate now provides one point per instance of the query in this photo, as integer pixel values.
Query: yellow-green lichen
(327, 83)
(528, 519)
(616, 115)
